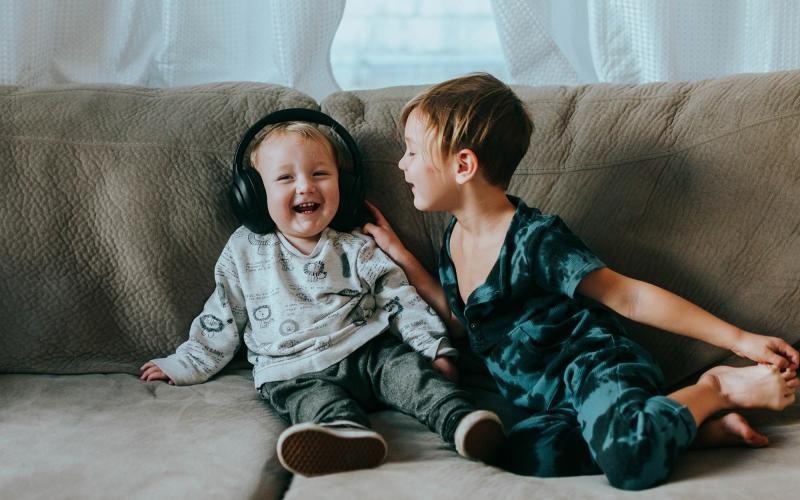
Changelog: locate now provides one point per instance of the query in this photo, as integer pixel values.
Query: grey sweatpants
(383, 373)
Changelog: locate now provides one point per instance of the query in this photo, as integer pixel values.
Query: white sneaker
(479, 436)
(311, 449)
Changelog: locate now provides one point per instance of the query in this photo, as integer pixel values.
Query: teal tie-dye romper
(594, 395)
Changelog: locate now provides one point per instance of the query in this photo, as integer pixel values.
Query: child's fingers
(776, 360)
(792, 354)
(379, 218)
(372, 208)
(781, 354)
(369, 228)
(146, 366)
(153, 373)
(156, 376)
(372, 230)
(782, 347)
(788, 352)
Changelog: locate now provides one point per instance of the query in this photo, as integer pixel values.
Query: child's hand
(447, 368)
(771, 350)
(151, 371)
(383, 234)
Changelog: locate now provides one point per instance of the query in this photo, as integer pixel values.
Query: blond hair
(476, 112)
(306, 130)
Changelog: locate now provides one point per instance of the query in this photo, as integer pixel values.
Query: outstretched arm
(213, 335)
(427, 286)
(654, 306)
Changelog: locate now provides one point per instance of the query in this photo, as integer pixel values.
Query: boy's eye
(284, 177)
(320, 174)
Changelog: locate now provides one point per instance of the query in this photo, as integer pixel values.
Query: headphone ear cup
(351, 203)
(249, 201)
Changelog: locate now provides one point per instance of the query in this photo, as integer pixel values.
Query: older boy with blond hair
(538, 307)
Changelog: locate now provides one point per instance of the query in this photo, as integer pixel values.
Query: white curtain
(635, 41)
(169, 42)
(180, 42)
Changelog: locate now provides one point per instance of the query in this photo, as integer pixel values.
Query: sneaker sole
(483, 441)
(315, 451)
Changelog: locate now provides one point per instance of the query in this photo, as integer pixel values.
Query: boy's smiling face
(301, 179)
(431, 185)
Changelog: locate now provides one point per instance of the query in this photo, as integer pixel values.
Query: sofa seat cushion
(96, 436)
(421, 465)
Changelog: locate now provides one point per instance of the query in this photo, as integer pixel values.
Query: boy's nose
(304, 185)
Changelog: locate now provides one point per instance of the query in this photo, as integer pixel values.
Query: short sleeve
(559, 260)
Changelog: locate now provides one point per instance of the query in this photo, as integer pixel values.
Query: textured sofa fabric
(114, 213)
(114, 210)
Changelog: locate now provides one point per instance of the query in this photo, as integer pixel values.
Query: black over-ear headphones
(249, 198)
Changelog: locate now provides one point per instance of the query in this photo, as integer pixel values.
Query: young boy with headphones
(315, 300)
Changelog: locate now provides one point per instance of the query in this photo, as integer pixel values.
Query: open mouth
(306, 208)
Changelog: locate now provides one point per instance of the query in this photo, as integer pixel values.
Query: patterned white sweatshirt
(302, 313)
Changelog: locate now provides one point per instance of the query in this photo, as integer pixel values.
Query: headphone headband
(297, 115)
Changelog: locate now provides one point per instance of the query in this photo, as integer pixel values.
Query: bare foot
(759, 386)
(729, 430)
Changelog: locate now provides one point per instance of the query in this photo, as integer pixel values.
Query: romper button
(473, 325)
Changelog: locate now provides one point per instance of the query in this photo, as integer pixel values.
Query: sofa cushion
(115, 209)
(420, 465)
(101, 436)
(691, 186)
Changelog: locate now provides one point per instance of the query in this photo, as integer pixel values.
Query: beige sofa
(114, 210)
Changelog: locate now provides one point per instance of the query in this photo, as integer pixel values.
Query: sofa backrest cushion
(115, 209)
(692, 186)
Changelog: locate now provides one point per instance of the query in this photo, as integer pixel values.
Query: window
(389, 42)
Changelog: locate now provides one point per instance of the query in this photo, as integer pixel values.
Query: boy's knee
(638, 448)
(633, 467)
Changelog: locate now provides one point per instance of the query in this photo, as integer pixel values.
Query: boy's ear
(466, 165)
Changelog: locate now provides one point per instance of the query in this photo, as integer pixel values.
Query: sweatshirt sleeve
(214, 333)
(415, 320)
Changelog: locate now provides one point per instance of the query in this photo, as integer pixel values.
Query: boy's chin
(421, 205)
(303, 234)
(304, 229)
(312, 230)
